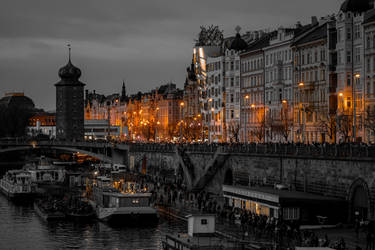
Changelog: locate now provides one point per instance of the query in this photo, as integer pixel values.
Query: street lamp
(156, 122)
(209, 124)
(181, 119)
(245, 120)
(357, 76)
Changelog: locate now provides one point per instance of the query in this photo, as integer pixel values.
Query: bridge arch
(66, 149)
(359, 200)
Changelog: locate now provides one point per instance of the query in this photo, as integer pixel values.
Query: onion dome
(356, 6)
(69, 71)
(238, 43)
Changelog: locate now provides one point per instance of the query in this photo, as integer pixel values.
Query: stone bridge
(344, 171)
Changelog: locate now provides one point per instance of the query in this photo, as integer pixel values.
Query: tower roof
(70, 71)
(238, 43)
(70, 74)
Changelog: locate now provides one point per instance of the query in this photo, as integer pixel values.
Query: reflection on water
(21, 228)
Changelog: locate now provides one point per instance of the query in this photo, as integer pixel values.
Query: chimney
(314, 20)
(298, 25)
(86, 94)
(94, 91)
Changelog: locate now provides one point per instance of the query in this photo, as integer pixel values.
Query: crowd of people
(244, 223)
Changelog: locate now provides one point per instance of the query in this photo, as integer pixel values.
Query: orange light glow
(301, 84)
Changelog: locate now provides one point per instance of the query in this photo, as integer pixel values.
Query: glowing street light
(341, 94)
(301, 84)
(253, 105)
(357, 76)
(285, 101)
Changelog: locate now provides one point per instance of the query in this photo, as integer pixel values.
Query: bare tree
(210, 36)
(327, 124)
(344, 125)
(234, 129)
(283, 125)
(259, 130)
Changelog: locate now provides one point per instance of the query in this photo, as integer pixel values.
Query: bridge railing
(315, 150)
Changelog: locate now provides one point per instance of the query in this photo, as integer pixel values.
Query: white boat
(46, 173)
(17, 184)
(124, 206)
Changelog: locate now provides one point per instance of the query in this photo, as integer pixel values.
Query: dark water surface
(22, 228)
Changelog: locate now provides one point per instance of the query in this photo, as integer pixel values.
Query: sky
(146, 43)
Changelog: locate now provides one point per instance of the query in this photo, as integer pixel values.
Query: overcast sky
(144, 42)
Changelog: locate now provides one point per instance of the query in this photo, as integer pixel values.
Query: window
(348, 80)
(232, 114)
(357, 53)
(357, 31)
(237, 64)
(231, 81)
(204, 222)
(231, 65)
(367, 42)
(348, 34)
(368, 65)
(339, 57)
(348, 56)
(231, 98)
(339, 35)
(322, 55)
(237, 81)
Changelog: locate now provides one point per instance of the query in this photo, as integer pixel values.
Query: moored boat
(79, 209)
(49, 210)
(46, 173)
(17, 185)
(122, 207)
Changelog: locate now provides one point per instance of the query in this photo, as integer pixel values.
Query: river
(21, 228)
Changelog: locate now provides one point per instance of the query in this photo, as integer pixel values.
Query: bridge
(345, 171)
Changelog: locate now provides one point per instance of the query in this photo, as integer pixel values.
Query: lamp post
(301, 85)
(357, 77)
(209, 125)
(181, 119)
(109, 120)
(245, 121)
(156, 122)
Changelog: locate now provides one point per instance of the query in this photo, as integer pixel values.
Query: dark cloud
(147, 42)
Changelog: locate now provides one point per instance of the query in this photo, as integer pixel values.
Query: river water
(21, 228)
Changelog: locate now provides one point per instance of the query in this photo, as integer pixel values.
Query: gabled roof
(316, 34)
(260, 43)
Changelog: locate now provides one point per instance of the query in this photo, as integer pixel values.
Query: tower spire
(69, 48)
